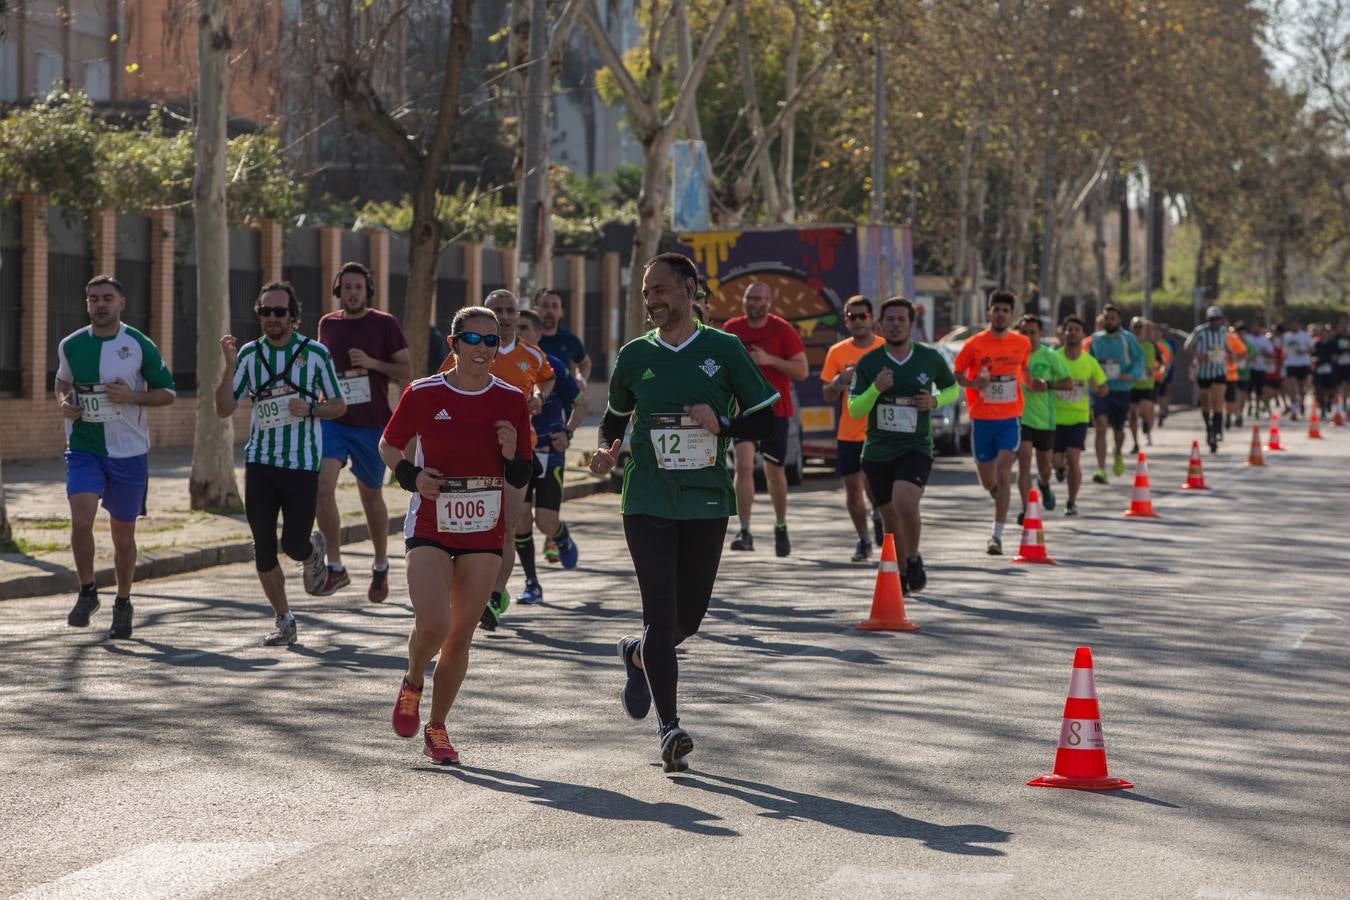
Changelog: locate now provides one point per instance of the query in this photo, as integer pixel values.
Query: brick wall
(43, 433)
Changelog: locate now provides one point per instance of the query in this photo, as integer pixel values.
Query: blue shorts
(121, 483)
(362, 445)
(990, 437)
(1115, 407)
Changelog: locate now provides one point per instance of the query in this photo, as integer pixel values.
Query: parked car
(951, 423)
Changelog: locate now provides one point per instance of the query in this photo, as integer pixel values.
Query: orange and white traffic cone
(888, 599)
(1141, 501)
(1273, 443)
(1255, 457)
(1080, 759)
(1033, 533)
(1195, 474)
(1314, 427)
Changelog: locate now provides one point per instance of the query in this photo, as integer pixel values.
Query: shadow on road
(780, 803)
(1049, 620)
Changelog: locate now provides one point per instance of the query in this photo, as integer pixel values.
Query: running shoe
(315, 569)
(533, 593)
(862, 551)
(917, 577)
(1047, 495)
(1099, 476)
(406, 715)
(334, 581)
(743, 541)
(550, 552)
(493, 612)
(1071, 509)
(676, 744)
(637, 694)
(995, 546)
(1134, 451)
(1021, 517)
(1148, 437)
(1213, 443)
(436, 746)
(567, 552)
(1061, 473)
(1118, 466)
(379, 585)
(283, 633)
(86, 604)
(878, 530)
(781, 545)
(121, 620)
(1239, 424)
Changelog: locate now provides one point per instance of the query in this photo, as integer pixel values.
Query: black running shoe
(878, 530)
(85, 606)
(995, 546)
(637, 694)
(743, 541)
(1021, 517)
(862, 551)
(1061, 473)
(1047, 495)
(121, 623)
(676, 744)
(781, 545)
(918, 578)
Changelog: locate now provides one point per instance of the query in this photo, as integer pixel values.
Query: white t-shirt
(1265, 353)
(1298, 348)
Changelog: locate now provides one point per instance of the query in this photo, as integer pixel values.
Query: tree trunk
(788, 138)
(6, 530)
(212, 484)
(768, 182)
(1280, 277)
(1099, 200)
(651, 206)
(424, 248)
(1159, 233)
(533, 226)
(961, 261)
(1123, 266)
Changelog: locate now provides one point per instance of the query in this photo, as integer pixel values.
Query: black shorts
(773, 448)
(1298, 373)
(1256, 380)
(545, 488)
(1071, 437)
(1325, 382)
(1205, 383)
(847, 457)
(1114, 407)
(1160, 390)
(1043, 439)
(1142, 395)
(914, 467)
(1342, 374)
(1230, 391)
(452, 552)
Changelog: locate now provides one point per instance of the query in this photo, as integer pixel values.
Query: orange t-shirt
(1239, 352)
(840, 355)
(1005, 358)
(520, 365)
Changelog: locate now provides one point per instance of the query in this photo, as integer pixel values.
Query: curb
(161, 563)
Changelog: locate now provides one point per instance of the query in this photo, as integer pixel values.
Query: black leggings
(269, 491)
(676, 564)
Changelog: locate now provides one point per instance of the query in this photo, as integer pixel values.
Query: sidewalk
(174, 538)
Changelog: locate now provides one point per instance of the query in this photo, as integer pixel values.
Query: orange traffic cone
(1195, 475)
(1255, 457)
(1033, 533)
(1141, 501)
(1274, 442)
(1314, 427)
(888, 599)
(1338, 420)
(1080, 760)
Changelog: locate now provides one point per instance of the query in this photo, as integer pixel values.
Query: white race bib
(272, 408)
(1000, 389)
(1073, 394)
(1324, 369)
(1216, 355)
(469, 505)
(1112, 369)
(899, 415)
(95, 405)
(680, 443)
(355, 385)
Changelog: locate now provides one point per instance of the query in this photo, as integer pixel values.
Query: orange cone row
(1195, 474)
(1141, 501)
(1080, 758)
(1314, 426)
(1273, 443)
(888, 598)
(1033, 533)
(1255, 457)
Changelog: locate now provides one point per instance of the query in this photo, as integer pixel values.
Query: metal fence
(11, 312)
(70, 265)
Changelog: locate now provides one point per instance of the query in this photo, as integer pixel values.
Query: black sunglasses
(473, 338)
(853, 317)
(278, 311)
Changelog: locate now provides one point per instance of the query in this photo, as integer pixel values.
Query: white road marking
(1294, 630)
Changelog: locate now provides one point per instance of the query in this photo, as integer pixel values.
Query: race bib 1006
(898, 415)
(272, 408)
(681, 443)
(1000, 389)
(469, 505)
(355, 385)
(95, 405)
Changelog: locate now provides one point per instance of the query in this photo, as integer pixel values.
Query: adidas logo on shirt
(442, 416)
(648, 375)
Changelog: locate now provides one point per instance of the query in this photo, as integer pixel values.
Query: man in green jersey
(292, 383)
(680, 384)
(1144, 390)
(1072, 412)
(893, 388)
(107, 375)
(1045, 372)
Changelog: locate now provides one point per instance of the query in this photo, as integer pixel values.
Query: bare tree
(212, 484)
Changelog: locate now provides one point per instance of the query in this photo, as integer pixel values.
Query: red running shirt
(457, 434)
(779, 338)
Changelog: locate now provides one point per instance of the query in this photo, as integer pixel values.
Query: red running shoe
(406, 717)
(437, 746)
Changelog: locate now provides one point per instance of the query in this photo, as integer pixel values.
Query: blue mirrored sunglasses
(473, 339)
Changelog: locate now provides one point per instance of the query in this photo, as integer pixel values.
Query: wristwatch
(724, 423)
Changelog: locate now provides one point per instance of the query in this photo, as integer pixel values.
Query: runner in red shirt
(474, 439)
(778, 350)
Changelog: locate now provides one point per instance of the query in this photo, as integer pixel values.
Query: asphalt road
(191, 761)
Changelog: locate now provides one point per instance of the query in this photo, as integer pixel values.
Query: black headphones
(347, 269)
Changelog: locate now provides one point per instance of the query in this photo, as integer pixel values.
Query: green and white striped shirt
(91, 363)
(272, 376)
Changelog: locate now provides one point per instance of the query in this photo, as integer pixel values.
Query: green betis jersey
(677, 470)
(894, 426)
(1151, 358)
(1038, 407)
(91, 363)
(272, 376)
(1072, 406)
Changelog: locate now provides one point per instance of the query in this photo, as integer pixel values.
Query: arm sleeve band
(861, 405)
(406, 474)
(518, 471)
(612, 427)
(757, 426)
(945, 396)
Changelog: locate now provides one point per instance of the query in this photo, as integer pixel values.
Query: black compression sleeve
(518, 471)
(612, 428)
(757, 426)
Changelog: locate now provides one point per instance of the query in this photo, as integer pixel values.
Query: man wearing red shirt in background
(777, 349)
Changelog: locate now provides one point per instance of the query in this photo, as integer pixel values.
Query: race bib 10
(469, 505)
(898, 415)
(95, 405)
(680, 443)
(272, 408)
